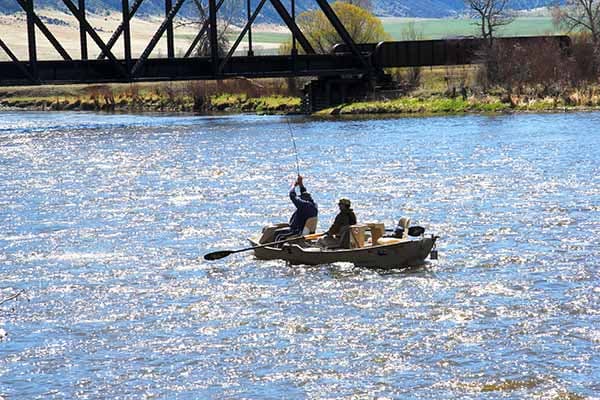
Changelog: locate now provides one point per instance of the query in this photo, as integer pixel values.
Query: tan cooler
(377, 231)
(357, 236)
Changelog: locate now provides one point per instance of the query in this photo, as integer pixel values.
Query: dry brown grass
(161, 96)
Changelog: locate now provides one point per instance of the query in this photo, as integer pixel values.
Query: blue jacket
(305, 209)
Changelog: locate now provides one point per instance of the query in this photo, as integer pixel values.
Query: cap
(344, 202)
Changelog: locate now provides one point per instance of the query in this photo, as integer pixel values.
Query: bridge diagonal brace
(241, 36)
(289, 21)
(201, 33)
(18, 63)
(213, 34)
(161, 30)
(86, 25)
(197, 39)
(170, 34)
(42, 27)
(339, 27)
(117, 33)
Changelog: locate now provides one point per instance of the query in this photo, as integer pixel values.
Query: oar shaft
(224, 253)
(311, 236)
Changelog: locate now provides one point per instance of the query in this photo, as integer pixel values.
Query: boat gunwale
(340, 250)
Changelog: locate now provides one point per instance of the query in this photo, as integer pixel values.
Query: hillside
(388, 8)
(440, 8)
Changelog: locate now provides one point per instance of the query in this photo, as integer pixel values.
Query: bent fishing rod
(294, 143)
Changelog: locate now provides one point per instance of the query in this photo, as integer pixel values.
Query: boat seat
(310, 226)
(276, 226)
(268, 232)
(403, 223)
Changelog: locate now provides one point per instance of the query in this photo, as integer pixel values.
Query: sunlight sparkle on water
(105, 219)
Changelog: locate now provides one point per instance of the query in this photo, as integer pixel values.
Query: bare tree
(410, 32)
(203, 46)
(579, 15)
(226, 17)
(492, 14)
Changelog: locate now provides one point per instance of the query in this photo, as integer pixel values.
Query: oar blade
(217, 255)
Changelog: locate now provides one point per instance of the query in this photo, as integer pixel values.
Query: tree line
(548, 65)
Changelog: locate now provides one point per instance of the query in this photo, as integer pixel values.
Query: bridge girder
(34, 71)
(345, 58)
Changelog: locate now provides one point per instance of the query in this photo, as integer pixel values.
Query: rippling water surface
(104, 220)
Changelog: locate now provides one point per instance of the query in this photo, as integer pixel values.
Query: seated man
(305, 209)
(341, 224)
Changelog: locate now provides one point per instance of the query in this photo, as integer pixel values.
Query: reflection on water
(105, 219)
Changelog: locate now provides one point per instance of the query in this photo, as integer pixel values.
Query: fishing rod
(294, 142)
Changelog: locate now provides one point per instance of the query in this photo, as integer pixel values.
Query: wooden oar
(216, 255)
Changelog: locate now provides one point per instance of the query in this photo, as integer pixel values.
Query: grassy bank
(204, 97)
(244, 103)
(440, 91)
(455, 90)
(422, 101)
(588, 99)
(415, 105)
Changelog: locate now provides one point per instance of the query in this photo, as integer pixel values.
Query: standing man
(305, 209)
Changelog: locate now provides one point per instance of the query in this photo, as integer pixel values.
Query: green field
(431, 29)
(440, 28)
(262, 37)
(267, 37)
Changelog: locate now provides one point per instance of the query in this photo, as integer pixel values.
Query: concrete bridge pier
(330, 91)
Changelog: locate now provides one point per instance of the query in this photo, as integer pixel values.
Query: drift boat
(367, 248)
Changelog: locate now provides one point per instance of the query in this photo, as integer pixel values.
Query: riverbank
(235, 96)
(245, 96)
(435, 103)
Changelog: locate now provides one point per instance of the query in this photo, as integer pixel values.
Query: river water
(104, 220)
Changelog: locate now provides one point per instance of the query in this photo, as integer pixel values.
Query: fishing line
(294, 142)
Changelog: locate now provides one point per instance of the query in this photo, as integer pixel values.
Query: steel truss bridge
(347, 58)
